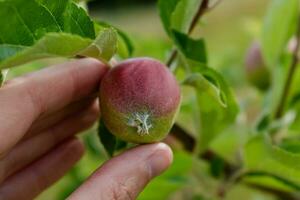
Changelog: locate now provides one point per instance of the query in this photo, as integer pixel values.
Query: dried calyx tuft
(141, 122)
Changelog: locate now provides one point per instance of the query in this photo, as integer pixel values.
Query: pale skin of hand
(40, 115)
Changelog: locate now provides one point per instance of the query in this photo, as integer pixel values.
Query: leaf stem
(289, 80)
(201, 11)
(172, 57)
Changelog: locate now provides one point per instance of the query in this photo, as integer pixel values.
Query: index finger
(26, 98)
(126, 175)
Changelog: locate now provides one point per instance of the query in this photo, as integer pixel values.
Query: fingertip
(160, 159)
(167, 152)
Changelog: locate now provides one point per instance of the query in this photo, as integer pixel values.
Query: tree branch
(188, 141)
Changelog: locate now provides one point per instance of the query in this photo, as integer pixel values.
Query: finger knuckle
(120, 191)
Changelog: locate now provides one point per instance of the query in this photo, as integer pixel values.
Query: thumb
(126, 175)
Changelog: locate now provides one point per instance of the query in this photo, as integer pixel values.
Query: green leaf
(178, 14)
(61, 45)
(17, 24)
(183, 15)
(264, 157)
(125, 44)
(52, 45)
(215, 100)
(70, 17)
(166, 8)
(65, 16)
(109, 141)
(279, 25)
(193, 49)
(128, 42)
(23, 39)
(8, 50)
(217, 167)
(204, 86)
(76, 21)
(103, 47)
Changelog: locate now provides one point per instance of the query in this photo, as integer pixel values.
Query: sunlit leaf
(125, 44)
(62, 45)
(103, 47)
(59, 29)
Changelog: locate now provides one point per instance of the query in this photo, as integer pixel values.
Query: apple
(139, 100)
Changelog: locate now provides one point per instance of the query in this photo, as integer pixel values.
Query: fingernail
(160, 160)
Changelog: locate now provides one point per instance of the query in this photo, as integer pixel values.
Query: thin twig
(289, 80)
(214, 5)
(172, 57)
(201, 11)
(188, 141)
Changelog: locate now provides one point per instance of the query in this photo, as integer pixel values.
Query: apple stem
(140, 121)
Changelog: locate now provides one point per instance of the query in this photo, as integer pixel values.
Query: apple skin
(139, 100)
(256, 70)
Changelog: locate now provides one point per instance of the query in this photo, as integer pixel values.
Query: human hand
(41, 113)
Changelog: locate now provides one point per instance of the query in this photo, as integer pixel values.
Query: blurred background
(229, 30)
